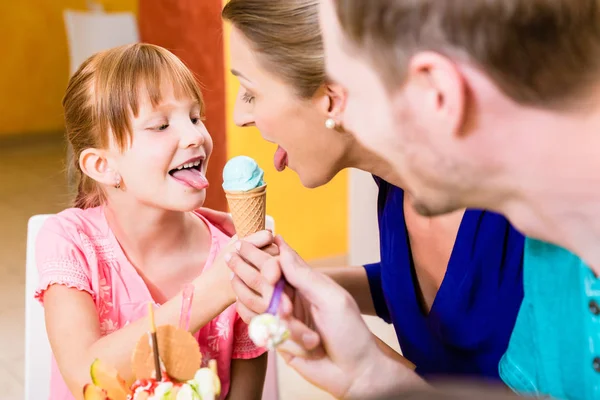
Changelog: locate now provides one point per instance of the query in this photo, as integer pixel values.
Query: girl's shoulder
(68, 247)
(72, 226)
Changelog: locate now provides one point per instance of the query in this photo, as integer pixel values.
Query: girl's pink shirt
(76, 248)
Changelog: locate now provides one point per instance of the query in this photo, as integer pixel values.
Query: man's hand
(339, 354)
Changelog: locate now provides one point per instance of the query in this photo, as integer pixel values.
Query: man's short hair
(538, 52)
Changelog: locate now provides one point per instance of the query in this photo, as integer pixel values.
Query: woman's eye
(162, 127)
(247, 98)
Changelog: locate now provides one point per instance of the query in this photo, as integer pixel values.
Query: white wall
(363, 241)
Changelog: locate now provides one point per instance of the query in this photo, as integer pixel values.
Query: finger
(249, 275)
(316, 368)
(291, 348)
(271, 250)
(265, 263)
(245, 313)
(287, 357)
(317, 288)
(271, 270)
(302, 334)
(260, 239)
(249, 298)
(252, 254)
(286, 307)
(280, 241)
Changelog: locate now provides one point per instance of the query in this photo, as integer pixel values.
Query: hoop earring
(330, 123)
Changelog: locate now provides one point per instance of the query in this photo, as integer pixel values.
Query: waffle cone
(248, 210)
(178, 351)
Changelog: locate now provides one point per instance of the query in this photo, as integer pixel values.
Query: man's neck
(558, 186)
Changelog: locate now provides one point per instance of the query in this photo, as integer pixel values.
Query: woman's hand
(256, 273)
(252, 283)
(340, 354)
(261, 239)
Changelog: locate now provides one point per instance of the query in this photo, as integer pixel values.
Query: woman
(451, 285)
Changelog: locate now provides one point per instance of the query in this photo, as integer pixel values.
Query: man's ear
(436, 84)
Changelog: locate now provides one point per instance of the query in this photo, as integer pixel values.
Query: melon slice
(108, 378)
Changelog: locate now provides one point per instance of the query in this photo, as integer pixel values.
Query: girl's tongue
(281, 159)
(191, 177)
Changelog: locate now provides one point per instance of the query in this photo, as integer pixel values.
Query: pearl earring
(330, 123)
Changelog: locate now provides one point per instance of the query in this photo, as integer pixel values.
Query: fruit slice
(108, 379)
(93, 392)
(212, 364)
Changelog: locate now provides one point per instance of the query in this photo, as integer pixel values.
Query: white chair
(37, 348)
(89, 32)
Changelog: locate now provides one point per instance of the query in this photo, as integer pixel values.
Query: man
(489, 104)
(473, 102)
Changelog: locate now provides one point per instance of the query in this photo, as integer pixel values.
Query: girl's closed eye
(247, 97)
(197, 119)
(161, 126)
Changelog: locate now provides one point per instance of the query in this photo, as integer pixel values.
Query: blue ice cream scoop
(241, 174)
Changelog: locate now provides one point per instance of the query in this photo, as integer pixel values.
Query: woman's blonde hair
(103, 96)
(286, 36)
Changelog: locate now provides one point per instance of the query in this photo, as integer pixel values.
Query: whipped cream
(204, 386)
(267, 330)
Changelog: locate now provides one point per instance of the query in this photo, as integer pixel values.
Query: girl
(134, 116)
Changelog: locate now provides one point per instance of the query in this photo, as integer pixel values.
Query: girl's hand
(220, 219)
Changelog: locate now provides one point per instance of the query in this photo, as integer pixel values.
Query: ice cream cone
(179, 352)
(248, 210)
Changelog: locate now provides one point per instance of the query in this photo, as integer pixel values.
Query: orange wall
(35, 66)
(191, 29)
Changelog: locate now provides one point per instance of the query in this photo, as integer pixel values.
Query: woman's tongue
(281, 159)
(192, 177)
